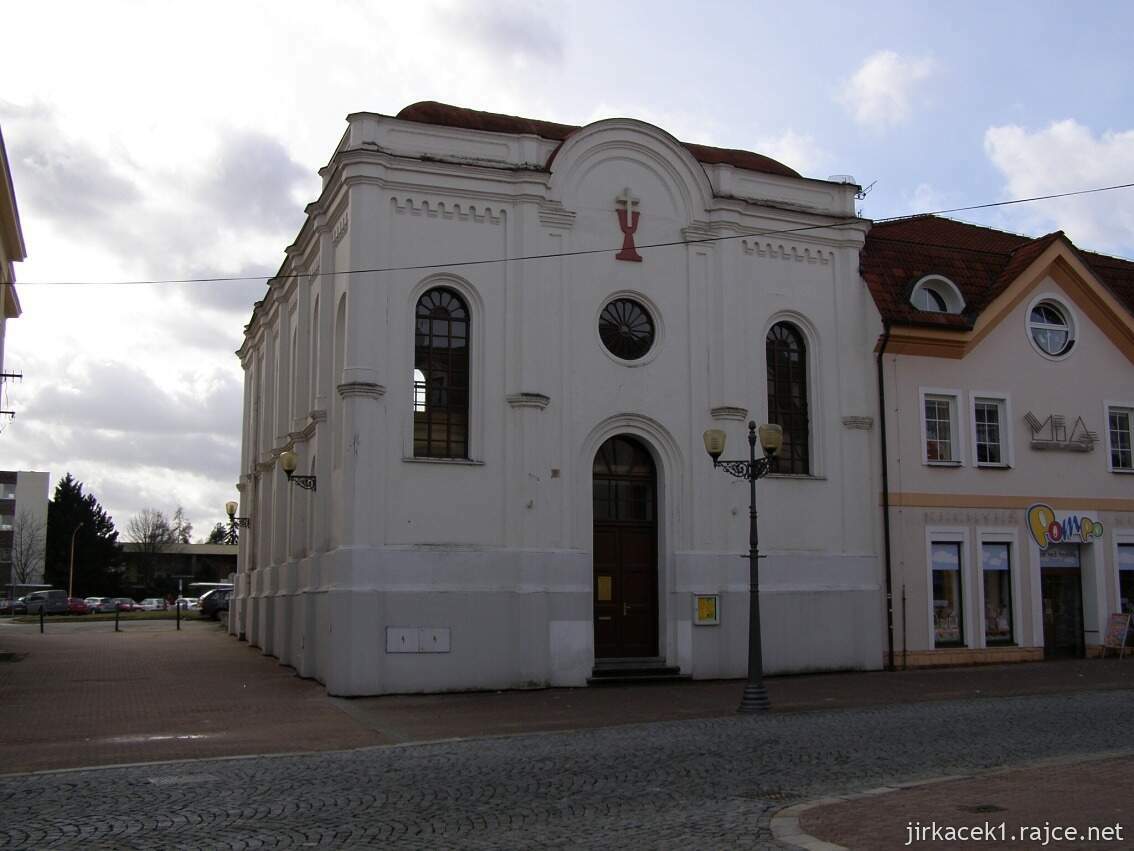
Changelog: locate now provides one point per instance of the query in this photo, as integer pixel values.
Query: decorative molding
(864, 423)
(698, 232)
(729, 412)
(785, 252)
(318, 416)
(361, 388)
(451, 210)
(341, 227)
(528, 400)
(555, 215)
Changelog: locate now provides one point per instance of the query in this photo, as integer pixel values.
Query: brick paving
(1013, 804)
(82, 695)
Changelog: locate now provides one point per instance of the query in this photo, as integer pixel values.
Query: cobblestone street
(704, 784)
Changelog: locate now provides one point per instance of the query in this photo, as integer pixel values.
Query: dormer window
(935, 294)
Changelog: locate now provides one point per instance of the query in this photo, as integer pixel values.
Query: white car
(188, 603)
(153, 604)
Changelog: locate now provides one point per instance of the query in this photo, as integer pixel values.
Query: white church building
(493, 349)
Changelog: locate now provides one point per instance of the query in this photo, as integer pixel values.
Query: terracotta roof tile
(432, 112)
(981, 261)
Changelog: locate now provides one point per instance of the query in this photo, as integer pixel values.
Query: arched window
(441, 376)
(787, 396)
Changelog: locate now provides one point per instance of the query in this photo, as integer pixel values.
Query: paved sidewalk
(660, 765)
(1011, 809)
(83, 695)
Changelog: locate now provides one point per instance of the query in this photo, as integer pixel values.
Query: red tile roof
(981, 261)
(432, 112)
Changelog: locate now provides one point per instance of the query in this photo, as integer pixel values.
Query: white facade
(400, 573)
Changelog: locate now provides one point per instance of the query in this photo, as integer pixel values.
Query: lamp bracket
(305, 482)
(746, 469)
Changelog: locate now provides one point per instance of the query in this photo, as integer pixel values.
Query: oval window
(1050, 328)
(626, 329)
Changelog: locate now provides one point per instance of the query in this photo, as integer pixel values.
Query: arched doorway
(625, 550)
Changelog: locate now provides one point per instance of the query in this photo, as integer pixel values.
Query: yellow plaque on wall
(706, 611)
(605, 589)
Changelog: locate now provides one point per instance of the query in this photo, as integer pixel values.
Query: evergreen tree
(97, 554)
(219, 535)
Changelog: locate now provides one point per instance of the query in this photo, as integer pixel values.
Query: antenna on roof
(862, 193)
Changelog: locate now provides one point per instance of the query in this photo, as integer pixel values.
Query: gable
(994, 272)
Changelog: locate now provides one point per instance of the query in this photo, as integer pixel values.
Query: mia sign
(1048, 528)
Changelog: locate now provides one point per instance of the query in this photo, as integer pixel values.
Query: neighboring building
(511, 486)
(1009, 399)
(11, 250)
(23, 526)
(159, 572)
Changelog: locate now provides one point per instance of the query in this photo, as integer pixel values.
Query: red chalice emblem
(628, 222)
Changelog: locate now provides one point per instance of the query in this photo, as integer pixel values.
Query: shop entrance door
(1062, 591)
(625, 551)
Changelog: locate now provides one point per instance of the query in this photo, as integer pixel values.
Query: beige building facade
(1007, 368)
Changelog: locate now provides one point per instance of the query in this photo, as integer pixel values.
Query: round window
(1050, 328)
(626, 329)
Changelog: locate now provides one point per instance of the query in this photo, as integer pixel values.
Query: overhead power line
(580, 253)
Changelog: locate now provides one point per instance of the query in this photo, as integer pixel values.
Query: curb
(785, 823)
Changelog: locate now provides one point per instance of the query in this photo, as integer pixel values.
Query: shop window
(786, 355)
(948, 610)
(441, 376)
(989, 433)
(1120, 425)
(996, 567)
(940, 427)
(1126, 577)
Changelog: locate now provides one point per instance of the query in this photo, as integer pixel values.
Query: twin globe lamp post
(755, 698)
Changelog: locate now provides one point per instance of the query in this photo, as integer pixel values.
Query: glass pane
(1060, 555)
(996, 566)
(946, 609)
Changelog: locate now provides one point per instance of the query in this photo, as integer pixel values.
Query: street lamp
(71, 572)
(288, 462)
(755, 697)
(233, 522)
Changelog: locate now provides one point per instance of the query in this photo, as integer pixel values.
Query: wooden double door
(625, 550)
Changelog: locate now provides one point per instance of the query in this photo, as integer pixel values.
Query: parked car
(125, 604)
(153, 604)
(77, 606)
(51, 602)
(100, 604)
(185, 603)
(13, 607)
(215, 603)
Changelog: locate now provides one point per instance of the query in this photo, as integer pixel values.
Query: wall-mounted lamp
(233, 522)
(288, 462)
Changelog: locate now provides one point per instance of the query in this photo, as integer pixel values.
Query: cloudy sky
(159, 141)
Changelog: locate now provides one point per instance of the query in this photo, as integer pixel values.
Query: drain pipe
(886, 502)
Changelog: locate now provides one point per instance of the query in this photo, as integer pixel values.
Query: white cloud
(880, 94)
(798, 150)
(1067, 157)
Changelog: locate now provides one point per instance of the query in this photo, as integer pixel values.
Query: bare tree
(29, 535)
(150, 529)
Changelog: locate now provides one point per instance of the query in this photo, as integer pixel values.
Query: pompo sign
(1048, 529)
